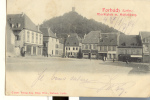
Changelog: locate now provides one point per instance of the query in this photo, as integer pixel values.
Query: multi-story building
(89, 45)
(145, 43)
(61, 47)
(107, 46)
(11, 50)
(50, 42)
(72, 45)
(130, 47)
(28, 37)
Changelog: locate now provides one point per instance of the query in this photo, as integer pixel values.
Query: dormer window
(18, 25)
(12, 25)
(111, 40)
(123, 44)
(101, 40)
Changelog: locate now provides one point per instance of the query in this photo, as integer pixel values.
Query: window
(114, 48)
(76, 48)
(100, 48)
(73, 48)
(66, 48)
(28, 36)
(56, 45)
(86, 47)
(18, 25)
(86, 54)
(56, 52)
(69, 48)
(17, 37)
(45, 44)
(71, 53)
(105, 48)
(36, 38)
(109, 48)
(110, 56)
(94, 46)
(11, 25)
(90, 46)
(101, 40)
(32, 37)
(114, 56)
(40, 39)
(82, 46)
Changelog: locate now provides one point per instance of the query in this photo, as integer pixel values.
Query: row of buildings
(25, 38)
(97, 45)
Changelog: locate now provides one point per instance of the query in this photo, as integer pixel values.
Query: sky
(41, 10)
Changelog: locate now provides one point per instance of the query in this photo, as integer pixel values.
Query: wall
(33, 37)
(10, 42)
(71, 52)
(133, 51)
(51, 46)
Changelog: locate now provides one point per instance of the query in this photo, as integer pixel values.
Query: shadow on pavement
(137, 68)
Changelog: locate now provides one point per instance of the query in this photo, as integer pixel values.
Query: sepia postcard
(85, 48)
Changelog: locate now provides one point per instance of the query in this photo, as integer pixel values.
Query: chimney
(48, 30)
(84, 35)
(73, 9)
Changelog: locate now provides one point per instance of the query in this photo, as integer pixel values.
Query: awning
(136, 56)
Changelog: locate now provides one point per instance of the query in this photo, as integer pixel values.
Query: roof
(92, 37)
(72, 40)
(61, 40)
(47, 32)
(129, 41)
(23, 20)
(108, 39)
(144, 35)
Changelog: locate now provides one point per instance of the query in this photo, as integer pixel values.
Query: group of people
(104, 58)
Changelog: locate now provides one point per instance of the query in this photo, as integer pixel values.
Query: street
(65, 76)
(75, 65)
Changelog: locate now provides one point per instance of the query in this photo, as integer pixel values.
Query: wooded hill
(72, 22)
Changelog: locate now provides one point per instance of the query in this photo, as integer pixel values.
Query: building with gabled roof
(145, 45)
(50, 42)
(72, 45)
(90, 43)
(130, 47)
(107, 46)
(28, 37)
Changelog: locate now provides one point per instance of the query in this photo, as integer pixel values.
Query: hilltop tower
(73, 9)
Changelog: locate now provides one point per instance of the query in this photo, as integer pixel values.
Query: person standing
(113, 60)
